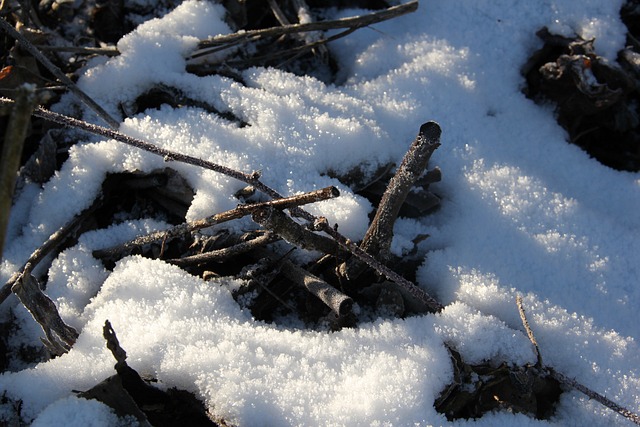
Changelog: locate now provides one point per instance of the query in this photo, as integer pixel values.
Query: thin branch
(532, 338)
(107, 51)
(278, 13)
(278, 54)
(630, 415)
(281, 224)
(225, 253)
(352, 23)
(59, 74)
(238, 212)
(55, 240)
(168, 155)
(635, 418)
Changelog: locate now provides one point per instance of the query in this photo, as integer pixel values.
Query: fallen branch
(238, 212)
(320, 224)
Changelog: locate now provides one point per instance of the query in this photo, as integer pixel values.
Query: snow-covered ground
(523, 213)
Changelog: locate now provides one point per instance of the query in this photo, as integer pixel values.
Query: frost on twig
(377, 240)
(308, 34)
(238, 212)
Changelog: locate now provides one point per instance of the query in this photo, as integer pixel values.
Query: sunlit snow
(523, 213)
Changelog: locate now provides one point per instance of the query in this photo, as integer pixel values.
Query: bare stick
(59, 75)
(338, 302)
(569, 381)
(113, 344)
(107, 51)
(278, 13)
(352, 23)
(377, 240)
(256, 60)
(60, 337)
(12, 151)
(532, 338)
(225, 253)
(251, 179)
(294, 233)
(238, 212)
(632, 416)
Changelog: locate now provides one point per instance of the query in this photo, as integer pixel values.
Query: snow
(523, 213)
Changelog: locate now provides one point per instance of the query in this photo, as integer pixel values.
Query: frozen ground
(523, 213)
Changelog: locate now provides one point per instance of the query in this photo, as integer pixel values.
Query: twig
(251, 179)
(238, 212)
(321, 224)
(635, 418)
(225, 253)
(257, 60)
(52, 242)
(107, 51)
(59, 74)
(338, 302)
(432, 304)
(352, 23)
(278, 13)
(60, 337)
(113, 344)
(12, 151)
(632, 416)
(294, 233)
(377, 240)
(532, 338)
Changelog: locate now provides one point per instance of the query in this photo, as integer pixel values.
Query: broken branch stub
(377, 240)
(338, 302)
